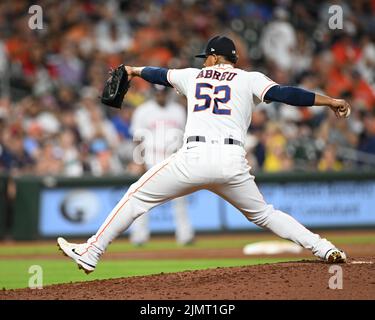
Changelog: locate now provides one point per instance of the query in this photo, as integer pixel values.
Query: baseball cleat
(84, 255)
(335, 256)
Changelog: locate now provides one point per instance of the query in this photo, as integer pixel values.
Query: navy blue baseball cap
(219, 45)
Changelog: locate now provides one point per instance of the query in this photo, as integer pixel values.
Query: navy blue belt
(203, 139)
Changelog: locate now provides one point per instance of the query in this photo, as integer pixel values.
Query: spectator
(363, 94)
(69, 66)
(42, 72)
(279, 40)
(70, 155)
(366, 63)
(13, 157)
(336, 132)
(329, 161)
(49, 159)
(367, 140)
(122, 121)
(112, 38)
(303, 147)
(103, 160)
(277, 158)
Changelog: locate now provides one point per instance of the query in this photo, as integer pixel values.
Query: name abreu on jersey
(216, 75)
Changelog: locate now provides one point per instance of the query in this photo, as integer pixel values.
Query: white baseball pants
(140, 231)
(220, 168)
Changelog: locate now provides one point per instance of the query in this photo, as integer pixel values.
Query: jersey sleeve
(180, 78)
(260, 84)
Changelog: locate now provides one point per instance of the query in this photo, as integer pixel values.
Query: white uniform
(220, 101)
(161, 131)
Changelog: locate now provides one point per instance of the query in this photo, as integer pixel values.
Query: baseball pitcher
(220, 100)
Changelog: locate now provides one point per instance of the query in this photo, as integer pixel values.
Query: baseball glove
(115, 88)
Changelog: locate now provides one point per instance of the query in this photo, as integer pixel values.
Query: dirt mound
(290, 280)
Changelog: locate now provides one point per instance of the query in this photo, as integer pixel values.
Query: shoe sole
(336, 257)
(80, 267)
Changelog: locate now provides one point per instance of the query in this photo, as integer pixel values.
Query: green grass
(353, 240)
(155, 245)
(125, 246)
(15, 273)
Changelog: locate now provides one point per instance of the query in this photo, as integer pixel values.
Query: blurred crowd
(52, 122)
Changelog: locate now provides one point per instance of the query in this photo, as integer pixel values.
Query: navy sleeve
(156, 75)
(290, 95)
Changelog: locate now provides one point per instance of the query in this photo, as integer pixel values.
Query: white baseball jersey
(220, 102)
(221, 99)
(160, 128)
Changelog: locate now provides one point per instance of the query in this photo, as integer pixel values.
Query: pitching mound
(291, 280)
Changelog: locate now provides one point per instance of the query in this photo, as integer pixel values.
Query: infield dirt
(299, 280)
(291, 280)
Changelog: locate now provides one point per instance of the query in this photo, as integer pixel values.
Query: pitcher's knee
(261, 218)
(140, 202)
(135, 208)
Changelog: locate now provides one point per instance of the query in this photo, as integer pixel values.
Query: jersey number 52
(218, 94)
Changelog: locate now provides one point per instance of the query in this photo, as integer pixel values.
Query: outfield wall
(50, 206)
